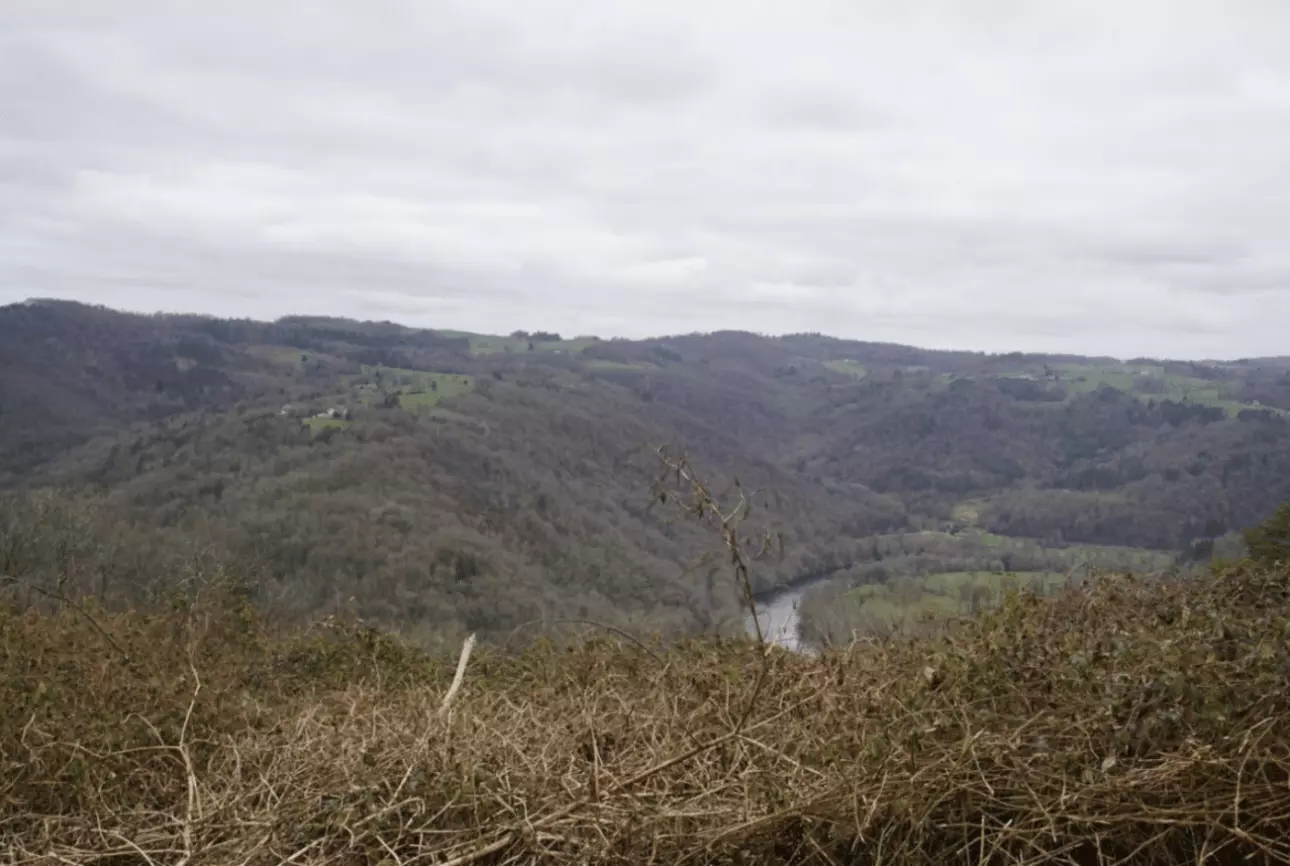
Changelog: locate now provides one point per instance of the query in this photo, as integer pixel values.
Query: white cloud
(1066, 175)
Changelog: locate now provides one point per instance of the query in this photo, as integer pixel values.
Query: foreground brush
(1136, 721)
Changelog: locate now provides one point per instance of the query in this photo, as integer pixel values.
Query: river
(777, 613)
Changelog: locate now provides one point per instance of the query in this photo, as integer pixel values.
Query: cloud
(1071, 176)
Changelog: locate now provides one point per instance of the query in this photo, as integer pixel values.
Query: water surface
(777, 614)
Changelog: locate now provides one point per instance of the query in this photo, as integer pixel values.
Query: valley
(442, 482)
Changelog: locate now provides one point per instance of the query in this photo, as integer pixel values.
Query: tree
(1269, 542)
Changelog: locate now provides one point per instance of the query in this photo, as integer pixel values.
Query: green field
(905, 602)
(495, 344)
(416, 389)
(971, 542)
(930, 575)
(1144, 381)
(293, 358)
(951, 583)
(604, 366)
(1148, 382)
(847, 368)
(903, 579)
(884, 607)
(317, 425)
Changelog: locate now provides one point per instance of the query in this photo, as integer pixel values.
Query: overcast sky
(1102, 177)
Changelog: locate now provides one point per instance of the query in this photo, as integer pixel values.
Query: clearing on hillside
(494, 344)
(1148, 382)
(320, 423)
(415, 389)
(848, 368)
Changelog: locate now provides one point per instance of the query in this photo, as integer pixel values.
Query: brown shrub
(1136, 721)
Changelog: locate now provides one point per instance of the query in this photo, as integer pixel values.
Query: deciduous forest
(442, 483)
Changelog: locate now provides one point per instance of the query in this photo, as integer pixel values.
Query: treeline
(877, 559)
(914, 583)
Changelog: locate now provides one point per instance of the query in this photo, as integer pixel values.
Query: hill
(447, 482)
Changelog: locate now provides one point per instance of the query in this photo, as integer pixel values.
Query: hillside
(476, 482)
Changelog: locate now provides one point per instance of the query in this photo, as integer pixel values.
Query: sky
(1092, 176)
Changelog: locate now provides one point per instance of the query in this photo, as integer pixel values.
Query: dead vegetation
(1136, 722)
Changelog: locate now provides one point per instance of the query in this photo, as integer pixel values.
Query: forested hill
(450, 480)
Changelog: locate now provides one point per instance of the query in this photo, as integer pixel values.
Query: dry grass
(1136, 722)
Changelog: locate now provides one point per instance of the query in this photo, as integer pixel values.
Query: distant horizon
(574, 334)
(1102, 179)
